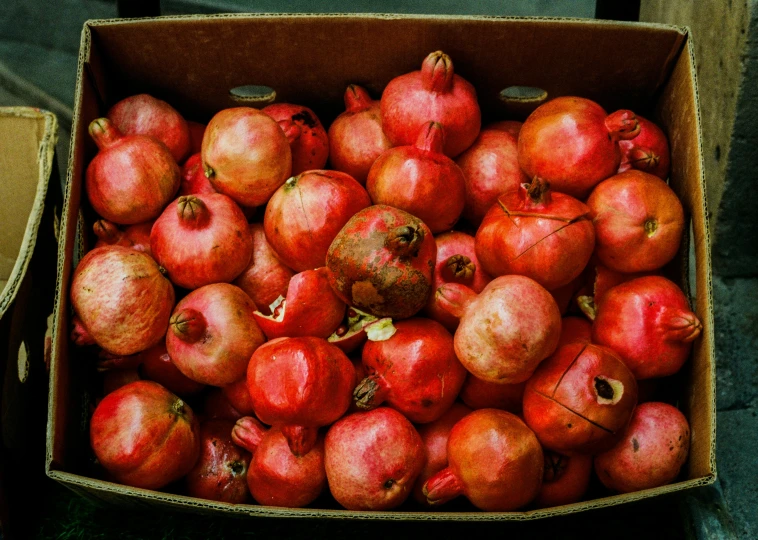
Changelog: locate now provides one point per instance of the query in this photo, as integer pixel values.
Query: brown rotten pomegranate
(202, 239)
(307, 137)
(647, 152)
(565, 480)
(122, 300)
(131, 178)
(381, 262)
(494, 460)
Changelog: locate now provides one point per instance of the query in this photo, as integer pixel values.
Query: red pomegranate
(435, 93)
(145, 115)
(356, 138)
(133, 236)
(267, 277)
(202, 239)
(575, 330)
(647, 321)
(572, 143)
(122, 300)
(415, 371)
(565, 296)
(216, 405)
(580, 399)
(456, 263)
(212, 334)
(493, 459)
(196, 132)
(300, 384)
(506, 330)
(639, 222)
(479, 394)
(648, 151)
(238, 396)
(372, 459)
(131, 178)
(381, 262)
(248, 433)
(307, 137)
(412, 178)
(221, 470)
(144, 435)
(116, 378)
(306, 213)
(246, 155)
(537, 233)
(490, 168)
(194, 180)
(565, 481)
(650, 454)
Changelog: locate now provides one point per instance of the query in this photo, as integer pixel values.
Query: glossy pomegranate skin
(580, 399)
(194, 180)
(156, 365)
(133, 236)
(479, 394)
(639, 222)
(122, 299)
(308, 139)
(238, 396)
(220, 473)
(566, 479)
(647, 321)
(647, 152)
(306, 213)
(145, 436)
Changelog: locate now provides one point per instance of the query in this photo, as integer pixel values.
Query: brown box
(193, 62)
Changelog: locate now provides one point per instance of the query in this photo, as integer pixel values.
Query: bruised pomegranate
(565, 480)
(647, 321)
(246, 155)
(639, 222)
(144, 435)
(580, 399)
(479, 394)
(307, 137)
(202, 239)
(122, 300)
(435, 93)
(651, 453)
(131, 178)
(506, 330)
(133, 236)
(415, 371)
(306, 213)
(381, 262)
(493, 459)
(145, 115)
(372, 459)
(647, 152)
(412, 177)
(356, 138)
(213, 333)
(221, 470)
(572, 143)
(300, 384)
(537, 233)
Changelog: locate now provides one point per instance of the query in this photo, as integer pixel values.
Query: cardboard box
(193, 62)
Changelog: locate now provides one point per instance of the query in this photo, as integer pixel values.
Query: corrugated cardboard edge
(45, 158)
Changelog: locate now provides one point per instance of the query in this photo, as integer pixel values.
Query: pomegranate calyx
(357, 99)
(301, 439)
(455, 298)
(107, 231)
(651, 226)
(193, 213)
(431, 138)
(537, 193)
(189, 325)
(555, 466)
(437, 72)
(247, 433)
(458, 269)
(442, 487)
(680, 325)
(405, 241)
(291, 129)
(80, 335)
(104, 133)
(380, 330)
(643, 159)
(622, 125)
(369, 393)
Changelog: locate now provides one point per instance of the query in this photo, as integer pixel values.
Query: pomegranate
(221, 470)
(238, 396)
(575, 330)
(145, 115)
(300, 384)
(144, 435)
(267, 277)
(381, 262)
(248, 432)
(196, 133)
(479, 394)
(647, 321)
(122, 300)
(213, 334)
(435, 93)
(356, 138)
(456, 263)
(435, 435)
(307, 138)
(415, 371)
(246, 155)
(310, 309)
(650, 454)
(133, 236)
(604, 280)
(131, 178)
(572, 143)
(193, 180)
(490, 168)
(506, 330)
(372, 459)
(648, 151)
(493, 459)
(306, 213)
(580, 399)
(216, 405)
(565, 480)
(412, 178)
(202, 239)
(116, 378)
(565, 296)
(639, 222)
(536, 233)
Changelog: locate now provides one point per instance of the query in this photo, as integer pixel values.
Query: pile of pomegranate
(407, 303)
